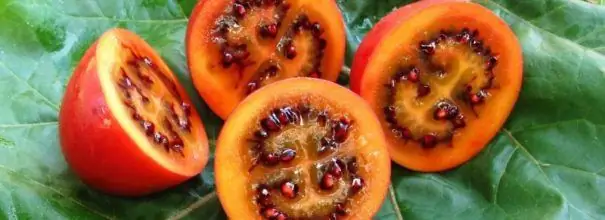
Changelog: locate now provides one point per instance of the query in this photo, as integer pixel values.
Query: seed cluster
(238, 53)
(300, 25)
(334, 170)
(444, 109)
(133, 89)
(331, 172)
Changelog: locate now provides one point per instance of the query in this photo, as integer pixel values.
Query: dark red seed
(287, 155)
(186, 108)
(340, 209)
(184, 124)
(293, 115)
(452, 111)
(270, 159)
(326, 144)
(392, 83)
(241, 55)
(125, 83)
(268, 30)
(458, 122)
(429, 141)
(263, 191)
(148, 62)
(333, 216)
(476, 45)
(327, 181)
(282, 216)
(464, 36)
(478, 98)
(440, 114)
(322, 118)
(322, 44)
(491, 62)
(442, 37)
(423, 90)
(414, 75)
(177, 146)
(136, 116)
(314, 75)
(159, 138)
(428, 48)
(340, 130)
(264, 201)
(263, 195)
(352, 165)
(271, 71)
(316, 29)
(252, 86)
(289, 190)
(406, 133)
(227, 59)
(390, 111)
(261, 134)
(271, 124)
(281, 116)
(239, 10)
(270, 213)
(335, 169)
(357, 184)
(148, 127)
(290, 51)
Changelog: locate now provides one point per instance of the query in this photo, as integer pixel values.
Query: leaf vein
(532, 25)
(497, 188)
(393, 200)
(199, 203)
(540, 168)
(44, 98)
(29, 124)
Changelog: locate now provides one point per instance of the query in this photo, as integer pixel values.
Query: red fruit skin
(375, 35)
(97, 148)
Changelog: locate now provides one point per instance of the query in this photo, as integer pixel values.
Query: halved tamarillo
(442, 76)
(235, 47)
(302, 148)
(126, 125)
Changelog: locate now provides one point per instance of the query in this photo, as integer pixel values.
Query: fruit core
(154, 104)
(434, 91)
(302, 165)
(262, 41)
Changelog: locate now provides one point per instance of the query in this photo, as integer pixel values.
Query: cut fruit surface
(127, 126)
(442, 76)
(237, 47)
(302, 148)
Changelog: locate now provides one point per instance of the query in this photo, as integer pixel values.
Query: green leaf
(545, 164)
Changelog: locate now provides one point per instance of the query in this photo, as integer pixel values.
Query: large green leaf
(545, 164)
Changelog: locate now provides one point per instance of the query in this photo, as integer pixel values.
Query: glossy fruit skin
(364, 82)
(208, 82)
(231, 178)
(97, 148)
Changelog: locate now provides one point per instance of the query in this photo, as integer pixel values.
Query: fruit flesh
(365, 142)
(235, 82)
(398, 42)
(116, 53)
(115, 157)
